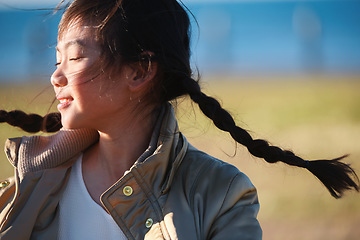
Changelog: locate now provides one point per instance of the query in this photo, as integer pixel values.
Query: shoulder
(209, 170)
(221, 195)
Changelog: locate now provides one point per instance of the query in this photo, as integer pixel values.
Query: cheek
(81, 78)
(83, 75)
(92, 93)
(100, 91)
(83, 96)
(113, 87)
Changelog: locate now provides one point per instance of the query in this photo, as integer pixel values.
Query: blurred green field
(317, 118)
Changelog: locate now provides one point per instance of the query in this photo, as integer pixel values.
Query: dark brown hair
(129, 29)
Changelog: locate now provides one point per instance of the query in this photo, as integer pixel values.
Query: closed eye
(71, 59)
(75, 59)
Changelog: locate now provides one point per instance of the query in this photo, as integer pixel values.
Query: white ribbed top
(80, 216)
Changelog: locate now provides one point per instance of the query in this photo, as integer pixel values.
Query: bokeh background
(289, 71)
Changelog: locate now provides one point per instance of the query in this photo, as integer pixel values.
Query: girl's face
(89, 97)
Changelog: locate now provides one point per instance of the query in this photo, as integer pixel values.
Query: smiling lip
(64, 102)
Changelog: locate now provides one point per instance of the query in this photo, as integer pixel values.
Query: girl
(118, 167)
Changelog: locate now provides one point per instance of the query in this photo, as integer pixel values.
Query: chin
(70, 123)
(75, 123)
(69, 126)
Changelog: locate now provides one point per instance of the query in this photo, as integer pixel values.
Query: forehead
(77, 33)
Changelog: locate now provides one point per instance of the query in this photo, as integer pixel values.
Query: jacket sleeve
(237, 216)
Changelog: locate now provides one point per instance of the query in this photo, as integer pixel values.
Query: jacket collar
(158, 164)
(159, 167)
(37, 153)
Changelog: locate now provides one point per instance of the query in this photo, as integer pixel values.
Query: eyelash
(75, 59)
(71, 59)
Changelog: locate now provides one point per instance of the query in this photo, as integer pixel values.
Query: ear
(143, 72)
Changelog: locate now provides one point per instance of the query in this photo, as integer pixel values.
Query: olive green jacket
(177, 192)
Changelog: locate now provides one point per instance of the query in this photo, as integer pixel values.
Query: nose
(58, 78)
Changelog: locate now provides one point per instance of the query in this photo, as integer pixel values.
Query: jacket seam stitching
(223, 202)
(197, 180)
(226, 194)
(193, 189)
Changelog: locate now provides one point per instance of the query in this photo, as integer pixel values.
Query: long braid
(335, 175)
(32, 123)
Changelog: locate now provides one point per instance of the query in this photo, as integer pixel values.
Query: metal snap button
(149, 222)
(4, 184)
(127, 190)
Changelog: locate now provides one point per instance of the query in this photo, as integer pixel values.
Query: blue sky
(27, 3)
(45, 3)
(264, 37)
(49, 2)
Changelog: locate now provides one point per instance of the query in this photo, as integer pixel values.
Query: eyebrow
(78, 42)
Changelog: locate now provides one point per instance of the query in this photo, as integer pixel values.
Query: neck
(117, 150)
